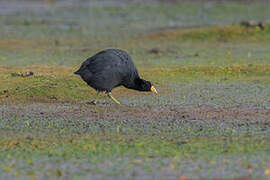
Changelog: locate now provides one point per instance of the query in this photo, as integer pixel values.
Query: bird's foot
(94, 102)
(114, 100)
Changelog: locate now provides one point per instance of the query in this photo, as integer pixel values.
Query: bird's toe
(94, 102)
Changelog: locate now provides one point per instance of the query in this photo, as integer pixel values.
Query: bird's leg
(110, 96)
(95, 100)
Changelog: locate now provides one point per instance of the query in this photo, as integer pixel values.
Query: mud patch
(137, 120)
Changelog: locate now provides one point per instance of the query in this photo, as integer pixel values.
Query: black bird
(111, 68)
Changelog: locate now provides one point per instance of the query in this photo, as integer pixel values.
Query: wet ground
(142, 139)
(138, 120)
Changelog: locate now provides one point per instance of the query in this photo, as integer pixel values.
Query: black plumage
(111, 68)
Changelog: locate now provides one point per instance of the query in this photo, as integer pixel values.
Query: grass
(210, 119)
(144, 152)
(117, 145)
(58, 84)
(215, 33)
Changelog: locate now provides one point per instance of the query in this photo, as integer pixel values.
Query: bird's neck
(135, 84)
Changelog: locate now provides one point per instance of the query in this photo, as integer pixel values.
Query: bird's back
(108, 69)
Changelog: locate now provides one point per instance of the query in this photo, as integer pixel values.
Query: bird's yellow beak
(153, 89)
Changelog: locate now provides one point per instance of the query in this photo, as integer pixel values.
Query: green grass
(68, 35)
(58, 84)
(117, 145)
(144, 151)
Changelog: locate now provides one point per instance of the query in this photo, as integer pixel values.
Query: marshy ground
(211, 119)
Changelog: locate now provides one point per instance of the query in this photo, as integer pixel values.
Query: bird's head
(143, 85)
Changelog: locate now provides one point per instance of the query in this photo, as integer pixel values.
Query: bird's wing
(111, 63)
